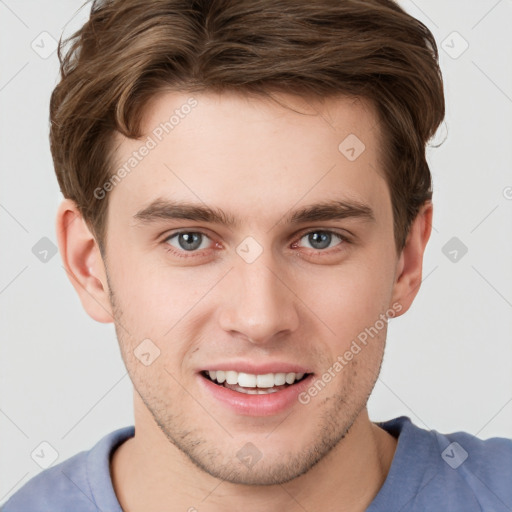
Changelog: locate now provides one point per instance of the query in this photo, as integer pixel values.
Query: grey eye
(320, 239)
(188, 240)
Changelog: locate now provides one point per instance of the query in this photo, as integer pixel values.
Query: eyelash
(318, 252)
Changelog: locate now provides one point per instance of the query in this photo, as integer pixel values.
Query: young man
(248, 200)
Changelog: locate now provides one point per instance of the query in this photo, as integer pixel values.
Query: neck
(149, 473)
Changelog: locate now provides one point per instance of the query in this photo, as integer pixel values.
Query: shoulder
(456, 448)
(493, 451)
(485, 466)
(60, 487)
(455, 471)
(79, 483)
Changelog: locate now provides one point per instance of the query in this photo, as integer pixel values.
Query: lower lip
(256, 405)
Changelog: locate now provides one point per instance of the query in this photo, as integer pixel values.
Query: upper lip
(258, 369)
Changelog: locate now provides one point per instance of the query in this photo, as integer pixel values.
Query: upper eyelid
(319, 230)
(180, 231)
(301, 232)
(342, 237)
(298, 235)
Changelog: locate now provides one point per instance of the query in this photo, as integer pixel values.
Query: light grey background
(448, 363)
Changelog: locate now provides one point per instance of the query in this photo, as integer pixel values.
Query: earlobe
(83, 262)
(410, 263)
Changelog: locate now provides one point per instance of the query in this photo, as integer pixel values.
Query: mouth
(254, 384)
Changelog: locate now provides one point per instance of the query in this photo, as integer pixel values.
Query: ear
(83, 262)
(409, 267)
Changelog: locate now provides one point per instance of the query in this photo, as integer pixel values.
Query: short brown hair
(129, 50)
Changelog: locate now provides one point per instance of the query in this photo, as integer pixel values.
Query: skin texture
(257, 161)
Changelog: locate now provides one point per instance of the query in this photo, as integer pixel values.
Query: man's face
(272, 292)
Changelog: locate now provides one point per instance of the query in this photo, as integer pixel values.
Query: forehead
(251, 155)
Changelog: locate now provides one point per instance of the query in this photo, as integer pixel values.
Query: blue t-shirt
(429, 472)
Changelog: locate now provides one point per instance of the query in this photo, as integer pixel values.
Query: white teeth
(279, 379)
(246, 380)
(249, 380)
(231, 377)
(265, 381)
(253, 391)
(290, 378)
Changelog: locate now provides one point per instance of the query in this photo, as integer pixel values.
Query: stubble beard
(335, 422)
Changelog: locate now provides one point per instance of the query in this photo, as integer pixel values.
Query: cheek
(151, 291)
(161, 303)
(348, 299)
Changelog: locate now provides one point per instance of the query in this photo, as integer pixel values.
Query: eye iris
(189, 241)
(320, 239)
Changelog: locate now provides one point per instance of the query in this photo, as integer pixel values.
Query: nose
(257, 303)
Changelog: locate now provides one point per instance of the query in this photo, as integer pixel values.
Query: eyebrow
(332, 210)
(163, 209)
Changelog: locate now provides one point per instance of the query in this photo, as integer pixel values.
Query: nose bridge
(259, 304)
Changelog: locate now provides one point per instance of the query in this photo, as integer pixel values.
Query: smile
(254, 384)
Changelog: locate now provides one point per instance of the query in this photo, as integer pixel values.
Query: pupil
(189, 241)
(320, 239)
